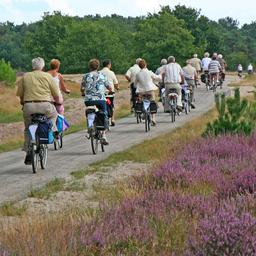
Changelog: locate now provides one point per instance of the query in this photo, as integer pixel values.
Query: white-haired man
(37, 91)
(196, 63)
(205, 61)
(130, 76)
(173, 76)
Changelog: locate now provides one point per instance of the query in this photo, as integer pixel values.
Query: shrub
(232, 117)
(7, 74)
(227, 232)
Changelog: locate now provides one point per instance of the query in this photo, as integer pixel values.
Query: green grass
(9, 209)
(50, 188)
(6, 117)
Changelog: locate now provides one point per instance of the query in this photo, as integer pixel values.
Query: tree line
(180, 31)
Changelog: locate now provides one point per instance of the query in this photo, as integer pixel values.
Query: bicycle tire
(56, 144)
(34, 157)
(138, 118)
(173, 114)
(149, 120)
(186, 107)
(43, 155)
(94, 142)
(146, 122)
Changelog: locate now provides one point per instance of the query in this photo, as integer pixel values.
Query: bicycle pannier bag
(44, 132)
(138, 107)
(153, 107)
(100, 120)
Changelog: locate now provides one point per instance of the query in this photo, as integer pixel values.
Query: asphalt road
(16, 179)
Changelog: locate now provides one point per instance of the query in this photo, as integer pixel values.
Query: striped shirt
(214, 67)
(172, 73)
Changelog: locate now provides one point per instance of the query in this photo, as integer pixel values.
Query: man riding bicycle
(173, 76)
(113, 83)
(93, 87)
(37, 91)
(130, 76)
(191, 77)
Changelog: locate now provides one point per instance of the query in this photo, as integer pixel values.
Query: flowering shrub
(227, 232)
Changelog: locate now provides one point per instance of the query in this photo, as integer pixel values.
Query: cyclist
(93, 87)
(113, 82)
(223, 65)
(158, 71)
(239, 70)
(250, 69)
(145, 85)
(59, 81)
(130, 76)
(196, 63)
(191, 77)
(214, 69)
(173, 76)
(36, 90)
(205, 62)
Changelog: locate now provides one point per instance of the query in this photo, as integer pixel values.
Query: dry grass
(51, 234)
(248, 80)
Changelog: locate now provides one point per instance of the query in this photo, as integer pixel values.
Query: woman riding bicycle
(145, 85)
(93, 87)
(214, 69)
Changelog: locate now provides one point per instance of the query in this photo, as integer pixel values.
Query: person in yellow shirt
(37, 91)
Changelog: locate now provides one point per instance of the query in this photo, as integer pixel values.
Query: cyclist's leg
(166, 104)
(178, 90)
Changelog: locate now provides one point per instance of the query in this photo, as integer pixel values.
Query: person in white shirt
(130, 76)
(145, 85)
(239, 70)
(250, 69)
(205, 61)
(173, 76)
(113, 83)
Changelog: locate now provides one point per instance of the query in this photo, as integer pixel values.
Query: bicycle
(95, 124)
(38, 148)
(58, 141)
(186, 98)
(173, 96)
(214, 83)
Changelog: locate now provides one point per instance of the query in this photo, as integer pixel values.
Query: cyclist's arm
(62, 85)
(115, 81)
(20, 91)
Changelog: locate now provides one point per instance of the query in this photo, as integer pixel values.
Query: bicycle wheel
(61, 140)
(43, 155)
(138, 118)
(34, 157)
(102, 145)
(146, 122)
(56, 144)
(149, 120)
(173, 114)
(94, 141)
(186, 107)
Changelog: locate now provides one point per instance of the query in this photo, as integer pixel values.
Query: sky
(19, 11)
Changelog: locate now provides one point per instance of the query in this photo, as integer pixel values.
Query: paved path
(16, 179)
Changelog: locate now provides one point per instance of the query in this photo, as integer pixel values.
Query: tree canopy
(180, 31)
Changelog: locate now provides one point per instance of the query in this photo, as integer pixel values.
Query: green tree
(161, 35)
(86, 40)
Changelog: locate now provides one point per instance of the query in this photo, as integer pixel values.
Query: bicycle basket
(100, 120)
(153, 107)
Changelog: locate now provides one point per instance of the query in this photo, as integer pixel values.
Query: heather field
(200, 203)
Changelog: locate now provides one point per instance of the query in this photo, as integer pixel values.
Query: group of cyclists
(41, 92)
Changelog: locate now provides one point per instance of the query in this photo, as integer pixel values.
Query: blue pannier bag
(59, 123)
(44, 132)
